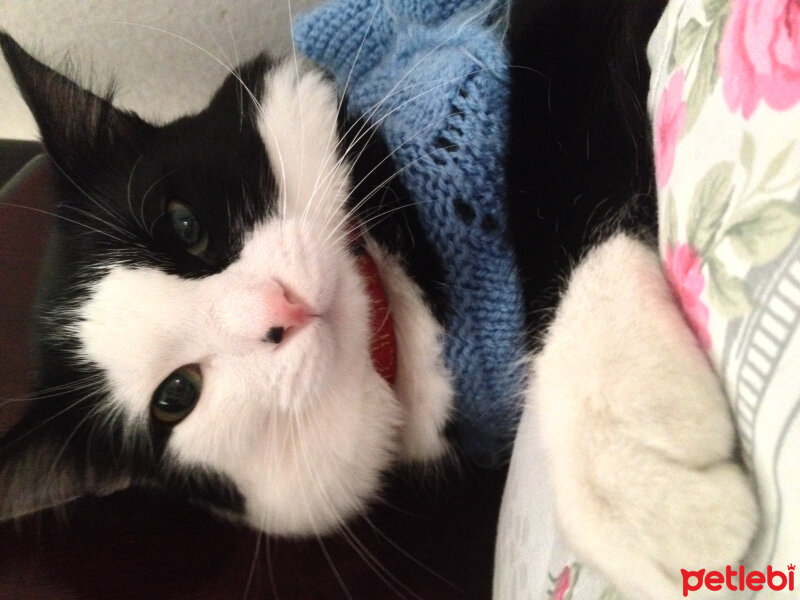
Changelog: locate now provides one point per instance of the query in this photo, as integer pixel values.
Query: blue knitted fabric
(433, 74)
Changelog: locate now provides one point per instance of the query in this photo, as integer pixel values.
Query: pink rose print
(670, 119)
(562, 584)
(759, 56)
(682, 265)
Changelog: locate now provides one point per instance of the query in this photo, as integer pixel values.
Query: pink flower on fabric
(670, 119)
(759, 56)
(682, 265)
(562, 584)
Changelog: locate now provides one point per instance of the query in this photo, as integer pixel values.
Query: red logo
(738, 579)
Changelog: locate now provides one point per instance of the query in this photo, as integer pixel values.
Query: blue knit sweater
(433, 74)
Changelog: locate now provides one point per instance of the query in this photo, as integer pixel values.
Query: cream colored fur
(637, 430)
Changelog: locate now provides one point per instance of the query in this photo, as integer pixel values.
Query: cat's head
(205, 324)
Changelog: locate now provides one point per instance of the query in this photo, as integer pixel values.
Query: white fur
(637, 430)
(304, 428)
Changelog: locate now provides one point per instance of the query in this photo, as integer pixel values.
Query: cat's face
(207, 328)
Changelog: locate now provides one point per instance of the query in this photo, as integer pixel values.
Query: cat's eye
(187, 228)
(177, 395)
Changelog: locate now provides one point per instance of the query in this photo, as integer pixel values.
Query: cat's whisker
(270, 568)
(370, 112)
(336, 573)
(129, 195)
(120, 230)
(405, 553)
(364, 121)
(342, 96)
(143, 203)
(230, 65)
(231, 71)
(253, 565)
(348, 80)
(90, 415)
(383, 573)
(372, 128)
(86, 194)
(353, 210)
(474, 18)
(67, 219)
(302, 137)
(365, 127)
(365, 225)
(347, 218)
(44, 422)
(54, 391)
(301, 455)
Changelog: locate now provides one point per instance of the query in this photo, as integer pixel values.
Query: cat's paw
(637, 429)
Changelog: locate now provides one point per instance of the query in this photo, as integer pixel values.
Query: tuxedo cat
(208, 323)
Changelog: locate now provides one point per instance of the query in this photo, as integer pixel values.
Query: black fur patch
(580, 156)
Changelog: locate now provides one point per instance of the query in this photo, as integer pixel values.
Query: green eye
(177, 395)
(187, 228)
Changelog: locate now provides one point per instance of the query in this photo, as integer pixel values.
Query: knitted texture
(433, 75)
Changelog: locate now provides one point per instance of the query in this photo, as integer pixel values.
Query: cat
(206, 328)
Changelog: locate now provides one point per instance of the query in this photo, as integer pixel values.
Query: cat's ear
(44, 462)
(241, 92)
(73, 121)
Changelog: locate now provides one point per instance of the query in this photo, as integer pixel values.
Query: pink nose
(287, 313)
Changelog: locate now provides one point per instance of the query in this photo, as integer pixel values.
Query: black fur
(580, 160)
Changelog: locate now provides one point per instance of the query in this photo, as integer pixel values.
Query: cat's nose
(287, 313)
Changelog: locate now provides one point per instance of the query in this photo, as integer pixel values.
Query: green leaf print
(727, 293)
(611, 594)
(706, 77)
(716, 9)
(669, 225)
(709, 203)
(747, 151)
(688, 38)
(775, 166)
(759, 233)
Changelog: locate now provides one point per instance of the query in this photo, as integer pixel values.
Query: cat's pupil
(177, 395)
(185, 225)
(186, 228)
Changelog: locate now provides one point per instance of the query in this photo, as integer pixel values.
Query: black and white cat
(206, 324)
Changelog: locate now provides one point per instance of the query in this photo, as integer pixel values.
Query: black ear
(45, 462)
(241, 92)
(73, 122)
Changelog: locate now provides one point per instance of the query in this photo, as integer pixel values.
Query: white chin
(322, 466)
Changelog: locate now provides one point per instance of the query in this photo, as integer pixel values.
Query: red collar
(384, 343)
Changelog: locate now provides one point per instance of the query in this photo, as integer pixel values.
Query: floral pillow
(725, 105)
(725, 99)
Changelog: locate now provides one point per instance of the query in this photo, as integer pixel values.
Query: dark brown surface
(430, 538)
